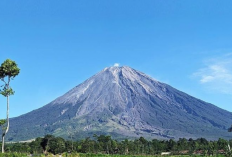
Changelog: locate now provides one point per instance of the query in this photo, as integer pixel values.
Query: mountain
(124, 102)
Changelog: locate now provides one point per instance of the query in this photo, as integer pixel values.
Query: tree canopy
(8, 71)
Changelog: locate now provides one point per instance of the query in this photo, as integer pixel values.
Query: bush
(13, 155)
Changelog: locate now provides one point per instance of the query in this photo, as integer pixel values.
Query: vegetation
(106, 145)
(3, 129)
(8, 70)
(2, 125)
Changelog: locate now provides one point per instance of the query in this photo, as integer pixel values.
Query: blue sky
(59, 44)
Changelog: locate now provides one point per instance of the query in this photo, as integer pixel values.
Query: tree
(142, 143)
(57, 145)
(156, 147)
(71, 134)
(35, 146)
(8, 71)
(125, 144)
(171, 145)
(222, 144)
(104, 142)
(229, 130)
(45, 143)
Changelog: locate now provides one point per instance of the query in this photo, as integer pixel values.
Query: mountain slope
(124, 102)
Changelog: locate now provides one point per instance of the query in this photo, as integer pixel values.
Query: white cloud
(116, 64)
(206, 79)
(217, 74)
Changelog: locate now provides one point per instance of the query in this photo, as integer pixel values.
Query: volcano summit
(124, 102)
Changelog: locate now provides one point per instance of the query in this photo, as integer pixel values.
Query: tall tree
(8, 71)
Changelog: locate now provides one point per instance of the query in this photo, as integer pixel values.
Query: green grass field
(91, 155)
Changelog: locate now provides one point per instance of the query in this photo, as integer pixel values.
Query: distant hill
(124, 103)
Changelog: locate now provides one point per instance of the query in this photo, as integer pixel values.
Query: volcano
(124, 103)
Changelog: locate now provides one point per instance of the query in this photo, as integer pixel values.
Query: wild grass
(91, 155)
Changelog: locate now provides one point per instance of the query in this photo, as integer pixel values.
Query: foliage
(104, 144)
(8, 70)
(2, 123)
(13, 155)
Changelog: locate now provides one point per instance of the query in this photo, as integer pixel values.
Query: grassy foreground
(90, 155)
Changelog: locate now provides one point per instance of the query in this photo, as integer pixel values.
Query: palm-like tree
(8, 71)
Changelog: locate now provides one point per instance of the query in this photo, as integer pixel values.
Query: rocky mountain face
(124, 102)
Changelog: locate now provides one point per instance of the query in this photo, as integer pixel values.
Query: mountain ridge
(124, 102)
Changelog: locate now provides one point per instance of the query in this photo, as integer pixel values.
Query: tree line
(104, 144)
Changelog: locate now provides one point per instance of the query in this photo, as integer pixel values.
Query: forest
(104, 144)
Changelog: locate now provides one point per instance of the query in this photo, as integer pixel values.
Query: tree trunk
(7, 116)
(7, 127)
(3, 151)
